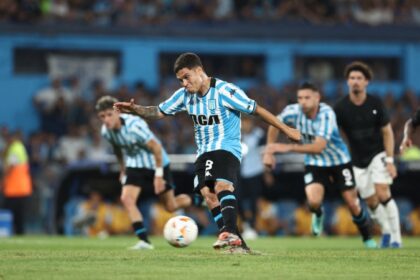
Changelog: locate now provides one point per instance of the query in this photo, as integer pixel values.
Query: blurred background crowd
(134, 13)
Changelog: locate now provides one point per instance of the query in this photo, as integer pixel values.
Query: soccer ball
(180, 231)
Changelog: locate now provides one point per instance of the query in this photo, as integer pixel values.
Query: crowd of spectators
(134, 13)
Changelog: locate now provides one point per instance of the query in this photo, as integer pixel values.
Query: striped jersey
(324, 125)
(216, 115)
(131, 138)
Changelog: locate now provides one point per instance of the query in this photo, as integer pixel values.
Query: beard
(356, 91)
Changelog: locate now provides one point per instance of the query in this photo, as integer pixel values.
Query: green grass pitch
(46, 257)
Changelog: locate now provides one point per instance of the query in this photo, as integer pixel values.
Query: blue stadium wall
(139, 61)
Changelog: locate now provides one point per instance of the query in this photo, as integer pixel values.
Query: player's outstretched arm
(147, 112)
(408, 131)
(269, 118)
(158, 181)
(268, 158)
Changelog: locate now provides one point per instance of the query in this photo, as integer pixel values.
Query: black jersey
(362, 126)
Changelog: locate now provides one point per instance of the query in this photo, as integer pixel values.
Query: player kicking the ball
(215, 107)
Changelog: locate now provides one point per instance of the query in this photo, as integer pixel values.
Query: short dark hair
(105, 102)
(187, 60)
(308, 85)
(360, 67)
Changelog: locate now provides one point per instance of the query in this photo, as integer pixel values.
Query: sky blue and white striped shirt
(324, 125)
(216, 115)
(132, 138)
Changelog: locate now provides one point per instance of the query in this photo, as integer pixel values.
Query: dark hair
(360, 67)
(308, 85)
(187, 60)
(104, 103)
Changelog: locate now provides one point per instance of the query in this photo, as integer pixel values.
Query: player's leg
(248, 192)
(365, 187)
(172, 202)
(392, 213)
(360, 216)
(345, 181)
(129, 196)
(382, 181)
(168, 198)
(378, 214)
(314, 196)
(315, 178)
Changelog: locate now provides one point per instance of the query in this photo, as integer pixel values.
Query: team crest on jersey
(212, 104)
(308, 178)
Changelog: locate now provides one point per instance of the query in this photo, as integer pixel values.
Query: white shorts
(374, 173)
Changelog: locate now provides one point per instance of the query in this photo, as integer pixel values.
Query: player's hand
(392, 170)
(269, 159)
(268, 178)
(406, 143)
(159, 184)
(125, 107)
(294, 134)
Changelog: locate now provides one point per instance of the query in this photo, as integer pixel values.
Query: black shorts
(215, 166)
(339, 176)
(143, 178)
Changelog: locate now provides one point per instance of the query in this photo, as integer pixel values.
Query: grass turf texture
(47, 257)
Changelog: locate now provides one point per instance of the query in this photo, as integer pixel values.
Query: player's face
(357, 82)
(190, 79)
(308, 100)
(110, 118)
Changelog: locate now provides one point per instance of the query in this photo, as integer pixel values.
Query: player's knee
(211, 201)
(372, 202)
(170, 207)
(127, 201)
(354, 207)
(314, 202)
(223, 186)
(384, 197)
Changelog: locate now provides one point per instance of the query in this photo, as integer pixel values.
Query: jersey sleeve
(415, 120)
(327, 124)
(234, 98)
(173, 104)
(384, 118)
(338, 114)
(289, 115)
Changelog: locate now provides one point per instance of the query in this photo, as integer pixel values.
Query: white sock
(394, 220)
(380, 216)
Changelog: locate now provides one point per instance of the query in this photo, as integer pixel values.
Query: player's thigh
(141, 177)
(130, 194)
(380, 175)
(383, 191)
(216, 166)
(351, 199)
(168, 200)
(343, 177)
(315, 193)
(364, 184)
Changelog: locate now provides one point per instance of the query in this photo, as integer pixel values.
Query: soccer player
(410, 126)
(327, 159)
(365, 122)
(215, 107)
(144, 165)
